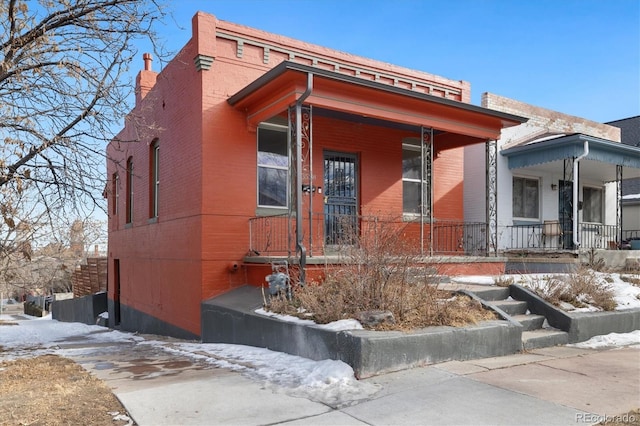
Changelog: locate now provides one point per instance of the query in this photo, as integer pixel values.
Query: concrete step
(543, 338)
(485, 292)
(530, 321)
(511, 307)
(492, 292)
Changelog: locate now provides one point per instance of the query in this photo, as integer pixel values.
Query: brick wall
(207, 167)
(545, 121)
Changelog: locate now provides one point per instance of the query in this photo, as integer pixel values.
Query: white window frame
(584, 204)
(285, 130)
(407, 146)
(539, 186)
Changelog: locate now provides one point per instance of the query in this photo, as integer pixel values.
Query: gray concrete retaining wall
(581, 326)
(81, 309)
(136, 321)
(230, 318)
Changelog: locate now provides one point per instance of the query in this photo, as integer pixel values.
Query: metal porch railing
(275, 235)
(551, 236)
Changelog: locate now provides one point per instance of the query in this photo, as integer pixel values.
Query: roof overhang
(540, 154)
(280, 88)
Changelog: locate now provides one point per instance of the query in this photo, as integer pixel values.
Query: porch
(564, 193)
(356, 145)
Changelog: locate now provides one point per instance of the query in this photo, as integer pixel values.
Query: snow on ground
(341, 325)
(328, 381)
(625, 294)
(609, 340)
(474, 279)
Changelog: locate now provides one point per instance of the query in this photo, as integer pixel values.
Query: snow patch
(631, 339)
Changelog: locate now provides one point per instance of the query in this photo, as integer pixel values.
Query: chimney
(146, 78)
(147, 58)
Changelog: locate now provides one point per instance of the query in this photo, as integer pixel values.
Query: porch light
(554, 187)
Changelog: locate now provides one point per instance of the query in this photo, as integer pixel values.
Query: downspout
(576, 241)
(301, 251)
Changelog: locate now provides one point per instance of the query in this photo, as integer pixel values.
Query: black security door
(340, 198)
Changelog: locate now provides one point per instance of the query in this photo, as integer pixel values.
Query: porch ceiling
(279, 88)
(547, 156)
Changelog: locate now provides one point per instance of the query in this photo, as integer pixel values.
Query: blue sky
(580, 57)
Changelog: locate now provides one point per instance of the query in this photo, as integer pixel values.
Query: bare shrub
(633, 280)
(504, 281)
(381, 271)
(579, 289)
(594, 261)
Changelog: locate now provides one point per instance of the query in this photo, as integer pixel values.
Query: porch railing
(275, 235)
(595, 236)
(550, 236)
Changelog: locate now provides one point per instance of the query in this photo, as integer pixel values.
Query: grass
(631, 418)
(51, 390)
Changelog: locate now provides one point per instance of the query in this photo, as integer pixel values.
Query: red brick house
(249, 146)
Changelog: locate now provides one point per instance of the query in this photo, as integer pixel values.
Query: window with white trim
(273, 165)
(411, 178)
(592, 204)
(526, 198)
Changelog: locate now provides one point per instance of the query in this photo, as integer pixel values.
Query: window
(154, 178)
(411, 179)
(592, 205)
(273, 166)
(129, 190)
(115, 193)
(526, 201)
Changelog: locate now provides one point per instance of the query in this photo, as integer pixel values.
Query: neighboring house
(630, 135)
(250, 147)
(558, 181)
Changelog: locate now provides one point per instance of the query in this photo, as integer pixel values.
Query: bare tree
(40, 257)
(64, 85)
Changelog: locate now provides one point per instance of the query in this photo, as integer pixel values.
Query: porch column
(566, 215)
(491, 202)
(619, 202)
(426, 207)
(300, 175)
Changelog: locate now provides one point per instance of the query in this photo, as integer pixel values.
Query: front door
(340, 198)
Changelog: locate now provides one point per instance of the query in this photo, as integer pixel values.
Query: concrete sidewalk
(551, 386)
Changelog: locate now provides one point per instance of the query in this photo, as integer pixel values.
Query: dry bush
(380, 271)
(579, 289)
(633, 280)
(595, 262)
(504, 281)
